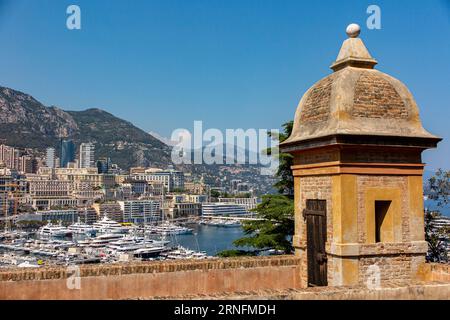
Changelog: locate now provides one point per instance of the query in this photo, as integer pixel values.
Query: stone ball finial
(353, 30)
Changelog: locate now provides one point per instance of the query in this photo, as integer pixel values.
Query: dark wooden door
(316, 229)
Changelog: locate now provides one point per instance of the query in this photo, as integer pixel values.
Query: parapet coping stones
(63, 272)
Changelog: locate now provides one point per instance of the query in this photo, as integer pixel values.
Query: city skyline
(144, 58)
(224, 150)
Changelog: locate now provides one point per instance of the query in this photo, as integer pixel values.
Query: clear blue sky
(231, 63)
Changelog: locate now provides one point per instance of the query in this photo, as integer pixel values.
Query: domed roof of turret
(356, 99)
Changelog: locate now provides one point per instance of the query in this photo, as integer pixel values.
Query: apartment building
(171, 179)
(87, 215)
(87, 160)
(183, 210)
(141, 211)
(247, 203)
(112, 210)
(222, 209)
(50, 188)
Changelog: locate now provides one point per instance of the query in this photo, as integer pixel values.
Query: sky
(229, 63)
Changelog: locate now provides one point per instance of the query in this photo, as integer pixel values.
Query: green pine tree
(275, 227)
(439, 191)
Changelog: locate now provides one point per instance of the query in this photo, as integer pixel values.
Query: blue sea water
(208, 238)
(432, 205)
(215, 239)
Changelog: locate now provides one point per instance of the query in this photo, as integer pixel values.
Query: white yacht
(81, 228)
(107, 225)
(125, 247)
(13, 234)
(104, 239)
(132, 243)
(54, 230)
(184, 253)
(223, 223)
(168, 228)
(214, 223)
(231, 224)
(150, 251)
(127, 243)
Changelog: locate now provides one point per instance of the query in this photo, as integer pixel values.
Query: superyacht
(107, 225)
(54, 230)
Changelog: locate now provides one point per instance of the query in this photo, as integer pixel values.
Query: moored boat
(107, 225)
(54, 230)
(81, 228)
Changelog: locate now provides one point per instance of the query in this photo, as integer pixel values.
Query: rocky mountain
(25, 122)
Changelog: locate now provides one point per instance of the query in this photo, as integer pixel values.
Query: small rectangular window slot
(381, 210)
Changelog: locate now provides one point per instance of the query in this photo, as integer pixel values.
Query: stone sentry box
(357, 142)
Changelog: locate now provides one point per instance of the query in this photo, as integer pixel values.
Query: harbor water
(432, 205)
(207, 238)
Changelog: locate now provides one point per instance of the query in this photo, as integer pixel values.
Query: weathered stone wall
(243, 278)
(374, 97)
(317, 156)
(316, 187)
(316, 107)
(432, 282)
(153, 279)
(434, 272)
(373, 155)
(366, 182)
(393, 291)
(408, 256)
(351, 243)
(395, 267)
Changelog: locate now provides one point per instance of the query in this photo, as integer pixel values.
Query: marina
(222, 223)
(167, 228)
(108, 242)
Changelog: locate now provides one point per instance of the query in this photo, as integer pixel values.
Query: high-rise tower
(67, 152)
(87, 151)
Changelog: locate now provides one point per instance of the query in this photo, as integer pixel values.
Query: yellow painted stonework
(392, 227)
(344, 209)
(415, 193)
(350, 270)
(345, 228)
(350, 241)
(298, 212)
(357, 138)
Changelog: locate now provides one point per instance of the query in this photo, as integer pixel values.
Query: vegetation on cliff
(27, 123)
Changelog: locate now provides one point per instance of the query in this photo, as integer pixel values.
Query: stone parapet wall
(392, 291)
(434, 272)
(49, 273)
(388, 268)
(153, 279)
(238, 278)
